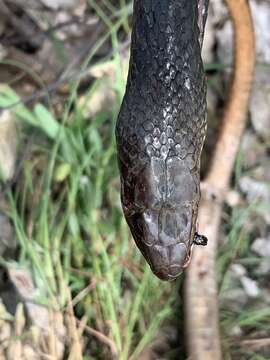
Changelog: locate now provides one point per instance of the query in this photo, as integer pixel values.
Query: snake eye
(200, 240)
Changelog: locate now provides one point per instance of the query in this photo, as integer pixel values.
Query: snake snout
(172, 274)
(164, 240)
(165, 246)
(168, 262)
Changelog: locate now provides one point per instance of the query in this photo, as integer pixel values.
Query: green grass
(69, 224)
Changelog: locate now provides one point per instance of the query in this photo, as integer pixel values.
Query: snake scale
(161, 129)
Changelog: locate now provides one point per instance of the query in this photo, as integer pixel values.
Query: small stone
(254, 189)
(8, 144)
(218, 11)
(250, 286)
(261, 246)
(234, 298)
(266, 295)
(209, 40)
(264, 267)
(261, 16)
(236, 331)
(233, 198)
(224, 39)
(259, 104)
(29, 353)
(19, 289)
(266, 217)
(253, 149)
(238, 270)
(56, 4)
(262, 171)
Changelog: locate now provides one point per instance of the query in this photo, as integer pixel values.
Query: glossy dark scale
(161, 129)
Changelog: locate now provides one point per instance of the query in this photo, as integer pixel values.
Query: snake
(160, 132)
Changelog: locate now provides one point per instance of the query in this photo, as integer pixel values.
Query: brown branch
(75, 345)
(102, 338)
(201, 298)
(255, 344)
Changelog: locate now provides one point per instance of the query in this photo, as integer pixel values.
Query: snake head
(160, 206)
(163, 236)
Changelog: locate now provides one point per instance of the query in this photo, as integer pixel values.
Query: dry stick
(74, 338)
(201, 298)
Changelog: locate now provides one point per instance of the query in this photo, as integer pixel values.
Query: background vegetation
(63, 203)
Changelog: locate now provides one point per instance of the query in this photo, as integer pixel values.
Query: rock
(260, 99)
(238, 270)
(104, 98)
(5, 327)
(233, 295)
(218, 12)
(17, 287)
(264, 267)
(234, 298)
(209, 40)
(32, 4)
(51, 4)
(253, 150)
(254, 189)
(224, 37)
(236, 331)
(250, 286)
(261, 246)
(261, 16)
(29, 353)
(266, 295)
(56, 4)
(8, 144)
(233, 198)
(262, 171)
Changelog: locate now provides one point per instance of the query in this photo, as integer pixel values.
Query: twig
(75, 346)
(255, 344)
(102, 338)
(201, 299)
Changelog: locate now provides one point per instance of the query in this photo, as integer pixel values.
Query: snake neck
(166, 40)
(163, 111)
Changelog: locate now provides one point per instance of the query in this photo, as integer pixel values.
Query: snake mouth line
(187, 262)
(171, 272)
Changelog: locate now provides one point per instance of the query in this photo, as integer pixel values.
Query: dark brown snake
(161, 130)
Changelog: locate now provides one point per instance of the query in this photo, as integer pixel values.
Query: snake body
(161, 129)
